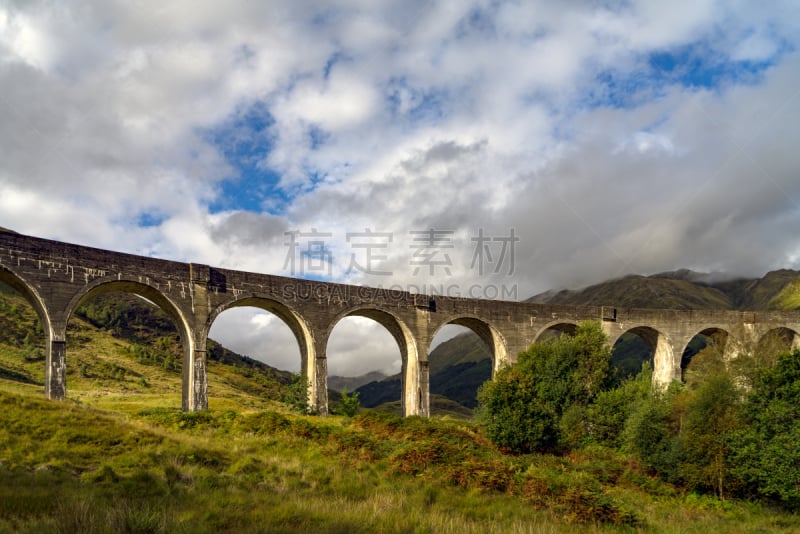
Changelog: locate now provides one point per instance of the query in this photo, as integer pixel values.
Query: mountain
(338, 383)
(458, 367)
(685, 289)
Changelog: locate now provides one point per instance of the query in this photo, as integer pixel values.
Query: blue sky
(611, 137)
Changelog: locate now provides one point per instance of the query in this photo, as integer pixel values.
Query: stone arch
(479, 372)
(105, 285)
(562, 326)
(788, 336)
(665, 367)
(292, 319)
(194, 394)
(716, 332)
(54, 380)
(488, 334)
(29, 293)
(413, 387)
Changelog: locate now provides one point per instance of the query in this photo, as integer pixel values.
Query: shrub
(521, 409)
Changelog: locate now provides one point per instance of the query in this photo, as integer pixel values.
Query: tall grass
(68, 467)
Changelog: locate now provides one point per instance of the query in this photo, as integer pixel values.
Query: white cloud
(452, 115)
(258, 334)
(344, 102)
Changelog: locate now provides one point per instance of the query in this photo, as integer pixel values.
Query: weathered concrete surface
(58, 277)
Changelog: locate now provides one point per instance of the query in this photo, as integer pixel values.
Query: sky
(472, 148)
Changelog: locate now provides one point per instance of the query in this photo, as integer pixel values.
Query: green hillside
(466, 347)
(121, 347)
(458, 367)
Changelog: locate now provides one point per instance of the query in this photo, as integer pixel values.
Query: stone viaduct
(56, 278)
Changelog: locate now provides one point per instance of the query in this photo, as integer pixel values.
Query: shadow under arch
(494, 340)
(665, 368)
(192, 378)
(559, 327)
(29, 293)
(414, 397)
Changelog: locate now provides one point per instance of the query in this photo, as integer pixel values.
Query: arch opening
(267, 342)
(123, 337)
(121, 342)
(555, 330)
(255, 333)
(776, 341)
(23, 338)
(665, 367)
(632, 350)
(707, 346)
(367, 352)
(460, 361)
(253, 356)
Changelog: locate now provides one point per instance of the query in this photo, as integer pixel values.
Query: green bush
(607, 415)
(297, 396)
(522, 408)
(349, 404)
(766, 451)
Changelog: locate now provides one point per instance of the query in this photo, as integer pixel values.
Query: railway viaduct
(56, 278)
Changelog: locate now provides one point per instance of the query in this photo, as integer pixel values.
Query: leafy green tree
(755, 355)
(513, 416)
(297, 396)
(523, 406)
(607, 415)
(651, 431)
(711, 415)
(709, 411)
(766, 451)
(349, 404)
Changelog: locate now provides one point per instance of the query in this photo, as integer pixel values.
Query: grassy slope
(118, 455)
(70, 467)
(136, 365)
(466, 347)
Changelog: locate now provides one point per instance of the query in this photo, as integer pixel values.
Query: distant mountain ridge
(458, 367)
(338, 383)
(686, 289)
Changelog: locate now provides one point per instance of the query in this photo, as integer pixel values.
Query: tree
(766, 451)
(710, 409)
(523, 406)
(651, 431)
(349, 404)
(297, 395)
(607, 415)
(711, 415)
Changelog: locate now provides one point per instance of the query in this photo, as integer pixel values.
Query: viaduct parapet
(56, 278)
